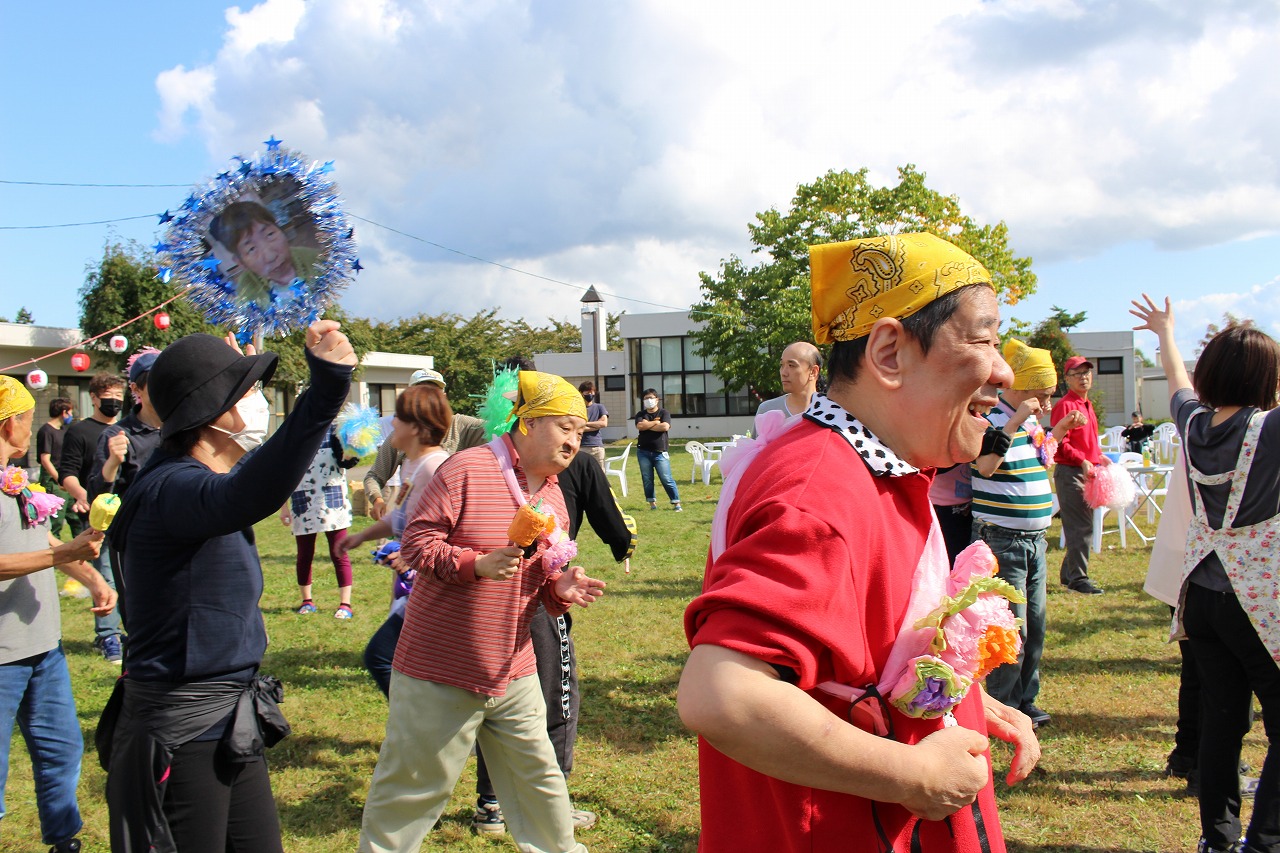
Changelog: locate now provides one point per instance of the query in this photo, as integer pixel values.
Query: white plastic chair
(704, 459)
(1113, 441)
(1165, 444)
(616, 466)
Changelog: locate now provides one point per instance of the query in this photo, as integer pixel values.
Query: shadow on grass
(1014, 847)
(1111, 666)
(79, 647)
(318, 668)
(685, 589)
(1092, 726)
(636, 715)
(1118, 619)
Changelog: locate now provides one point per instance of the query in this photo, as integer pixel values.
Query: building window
(615, 383)
(1112, 365)
(684, 379)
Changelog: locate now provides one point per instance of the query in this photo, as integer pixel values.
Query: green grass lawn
(1110, 681)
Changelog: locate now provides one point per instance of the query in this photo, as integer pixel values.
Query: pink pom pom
(1109, 486)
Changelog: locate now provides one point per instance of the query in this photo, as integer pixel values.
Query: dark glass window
(683, 379)
(1109, 365)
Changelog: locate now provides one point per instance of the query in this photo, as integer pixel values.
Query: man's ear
(886, 350)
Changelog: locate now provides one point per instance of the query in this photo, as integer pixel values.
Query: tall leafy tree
(121, 286)
(751, 312)
(292, 371)
(1051, 334)
(1228, 320)
(24, 316)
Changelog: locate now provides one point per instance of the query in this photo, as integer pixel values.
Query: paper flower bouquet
(969, 632)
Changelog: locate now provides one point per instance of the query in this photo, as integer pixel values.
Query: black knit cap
(197, 378)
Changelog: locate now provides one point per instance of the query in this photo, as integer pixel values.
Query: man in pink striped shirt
(464, 668)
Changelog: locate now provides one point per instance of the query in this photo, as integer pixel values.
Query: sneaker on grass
(110, 648)
(488, 818)
(308, 606)
(344, 612)
(583, 819)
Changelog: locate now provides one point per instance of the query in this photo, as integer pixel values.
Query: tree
(1228, 320)
(1051, 334)
(750, 313)
(121, 286)
(613, 331)
(292, 371)
(24, 316)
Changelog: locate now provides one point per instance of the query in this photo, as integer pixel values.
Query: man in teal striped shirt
(1012, 508)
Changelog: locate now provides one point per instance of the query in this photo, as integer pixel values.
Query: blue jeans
(1022, 564)
(381, 651)
(649, 460)
(109, 625)
(36, 693)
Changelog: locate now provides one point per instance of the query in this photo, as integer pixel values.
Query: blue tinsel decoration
(183, 253)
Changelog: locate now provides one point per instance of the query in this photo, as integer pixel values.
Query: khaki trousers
(430, 731)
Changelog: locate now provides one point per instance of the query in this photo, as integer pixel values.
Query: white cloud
(1260, 303)
(629, 144)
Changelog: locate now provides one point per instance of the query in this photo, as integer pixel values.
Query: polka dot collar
(882, 461)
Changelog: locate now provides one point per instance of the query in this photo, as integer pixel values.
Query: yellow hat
(14, 398)
(857, 282)
(1032, 368)
(544, 395)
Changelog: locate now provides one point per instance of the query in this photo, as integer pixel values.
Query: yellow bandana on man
(14, 398)
(1032, 368)
(544, 395)
(857, 282)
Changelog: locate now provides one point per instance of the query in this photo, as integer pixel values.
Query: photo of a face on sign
(265, 241)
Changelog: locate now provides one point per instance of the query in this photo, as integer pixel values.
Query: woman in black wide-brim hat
(184, 734)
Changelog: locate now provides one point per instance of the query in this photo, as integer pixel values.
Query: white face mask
(650, 403)
(255, 411)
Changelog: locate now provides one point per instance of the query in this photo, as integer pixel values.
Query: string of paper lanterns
(38, 379)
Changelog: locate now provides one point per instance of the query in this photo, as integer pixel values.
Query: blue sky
(1129, 146)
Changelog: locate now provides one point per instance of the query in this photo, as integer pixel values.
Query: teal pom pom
(499, 401)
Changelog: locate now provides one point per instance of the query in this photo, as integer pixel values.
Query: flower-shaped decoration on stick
(969, 633)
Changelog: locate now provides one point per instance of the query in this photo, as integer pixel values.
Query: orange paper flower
(998, 645)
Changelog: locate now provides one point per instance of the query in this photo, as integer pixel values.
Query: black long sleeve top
(192, 576)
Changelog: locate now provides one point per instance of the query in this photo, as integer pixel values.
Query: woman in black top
(1227, 609)
(185, 761)
(653, 423)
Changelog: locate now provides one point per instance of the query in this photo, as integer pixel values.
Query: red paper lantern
(37, 380)
(118, 344)
(80, 362)
(161, 320)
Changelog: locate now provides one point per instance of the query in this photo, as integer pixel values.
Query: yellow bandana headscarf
(1032, 368)
(857, 282)
(546, 395)
(14, 398)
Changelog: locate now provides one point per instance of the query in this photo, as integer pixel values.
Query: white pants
(431, 728)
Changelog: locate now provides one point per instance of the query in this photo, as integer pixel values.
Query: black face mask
(110, 408)
(589, 397)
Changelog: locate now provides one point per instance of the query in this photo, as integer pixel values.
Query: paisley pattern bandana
(857, 282)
